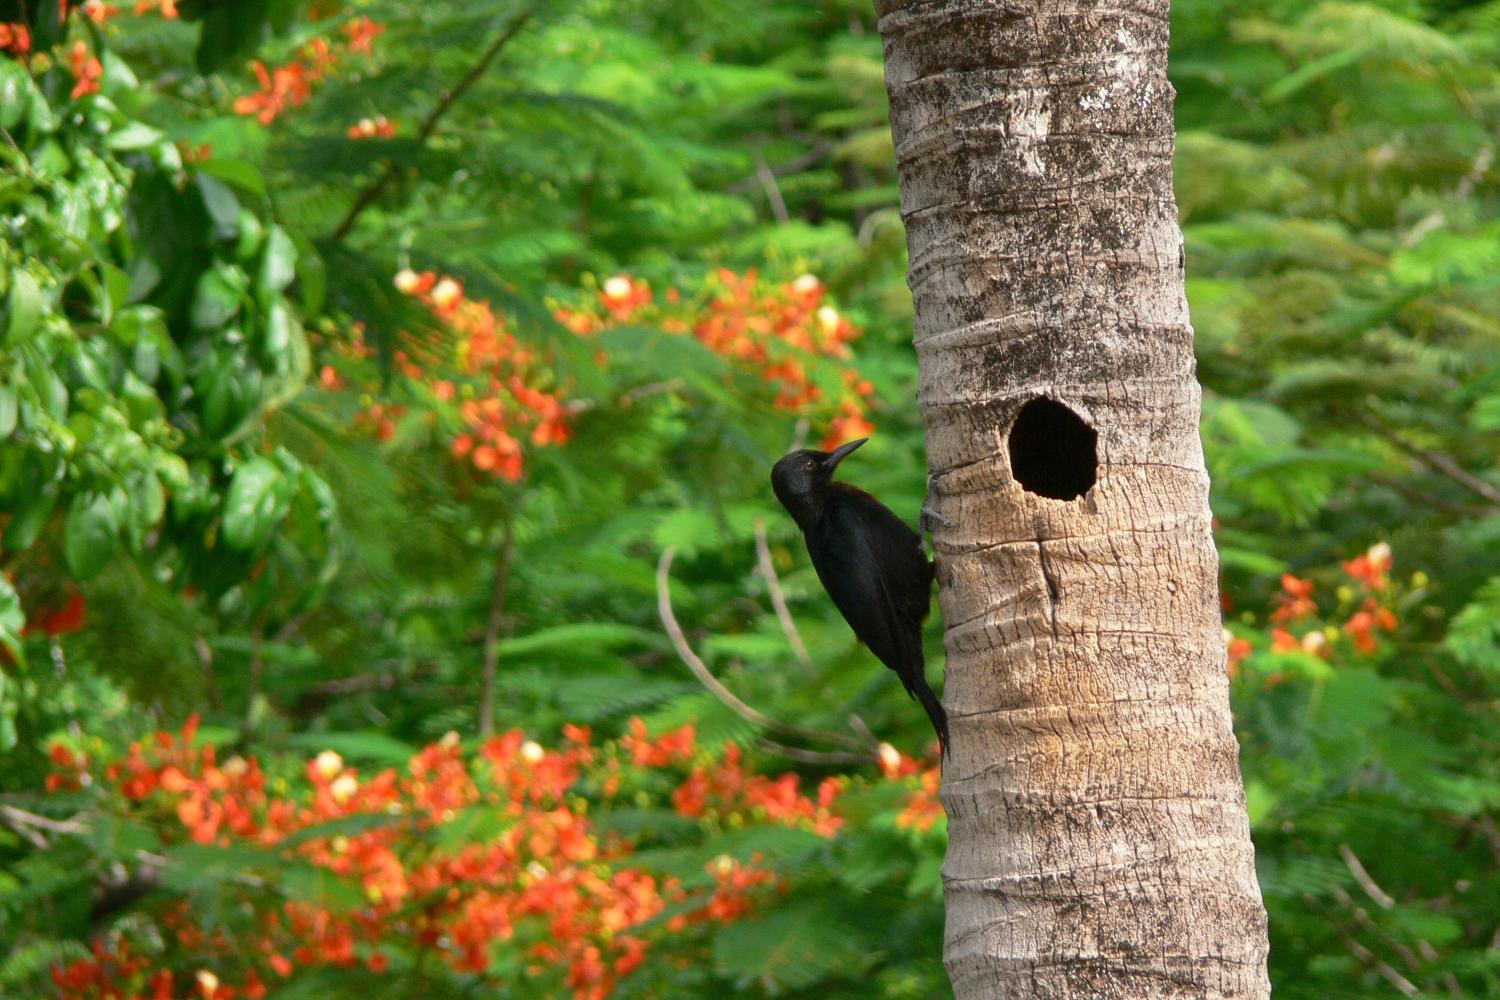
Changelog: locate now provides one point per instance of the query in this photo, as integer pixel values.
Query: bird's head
(801, 479)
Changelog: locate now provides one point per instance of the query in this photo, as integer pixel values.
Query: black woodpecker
(871, 563)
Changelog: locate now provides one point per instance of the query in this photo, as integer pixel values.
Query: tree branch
(28, 825)
(1438, 462)
(712, 683)
(778, 599)
(1357, 869)
(792, 166)
(377, 187)
(773, 191)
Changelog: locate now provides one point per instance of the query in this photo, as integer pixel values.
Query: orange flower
(98, 11)
(1362, 624)
(923, 809)
(847, 426)
(623, 296)
(321, 58)
(362, 33)
(86, 70)
(59, 621)
(677, 745)
(1371, 567)
(1239, 649)
(15, 38)
(1295, 601)
(281, 88)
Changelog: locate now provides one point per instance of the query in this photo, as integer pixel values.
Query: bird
(869, 560)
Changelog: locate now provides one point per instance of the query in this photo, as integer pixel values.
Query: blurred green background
(359, 361)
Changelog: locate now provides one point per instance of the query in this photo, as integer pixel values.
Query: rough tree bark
(1098, 839)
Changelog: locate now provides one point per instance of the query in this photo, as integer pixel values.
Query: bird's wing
(870, 564)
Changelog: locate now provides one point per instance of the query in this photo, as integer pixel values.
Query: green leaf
(791, 947)
(9, 408)
(89, 535)
(370, 745)
(218, 296)
(582, 635)
(278, 265)
(15, 86)
(312, 276)
(343, 826)
(12, 620)
(230, 29)
(135, 135)
(230, 392)
(222, 207)
(251, 506)
(1474, 634)
(38, 957)
(240, 173)
(23, 306)
(277, 337)
(29, 512)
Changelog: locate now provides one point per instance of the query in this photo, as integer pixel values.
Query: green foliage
(246, 546)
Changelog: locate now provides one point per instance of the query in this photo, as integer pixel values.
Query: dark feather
(873, 566)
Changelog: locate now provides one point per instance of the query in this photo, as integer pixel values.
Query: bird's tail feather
(934, 707)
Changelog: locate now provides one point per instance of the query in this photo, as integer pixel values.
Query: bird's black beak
(840, 453)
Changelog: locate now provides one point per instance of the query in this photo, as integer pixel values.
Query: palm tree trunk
(1098, 839)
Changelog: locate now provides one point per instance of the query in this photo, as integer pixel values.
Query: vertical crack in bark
(1052, 588)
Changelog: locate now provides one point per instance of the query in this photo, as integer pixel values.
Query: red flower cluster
(504, 401)
(723, 789)
(59, 620)
(87, 70)
(678, 745)
(923, 808)
(1295, 600)
(287, 86)
(113, 972)
(460, 857)
(1370, 568)
(1366, 609)
(1239, 649)
(781, 331)
(15, 38)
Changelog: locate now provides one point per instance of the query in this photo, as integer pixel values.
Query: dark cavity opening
(1053, 453)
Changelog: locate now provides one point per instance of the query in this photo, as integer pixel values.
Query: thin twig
(1357, 869)
(862, 727)
(377, 187)
(1383, 968)
(813, 756)
(1437, 462)
(773, 191)
(630, 398)
(778, 599)
(792, 166)
(1424, 498)
(492, 631)
(210, 679)
(799, 434)
(708, 680)
(29, 824)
